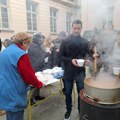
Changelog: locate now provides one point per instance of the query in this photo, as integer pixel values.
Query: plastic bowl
(116, 70)
(80, 62)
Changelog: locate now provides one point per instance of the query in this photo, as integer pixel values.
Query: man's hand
(74, 62)
(86, 62)
(96, 55)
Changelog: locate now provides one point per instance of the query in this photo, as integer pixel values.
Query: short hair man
(72, 48)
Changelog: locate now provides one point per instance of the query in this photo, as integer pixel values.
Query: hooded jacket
(37, 53)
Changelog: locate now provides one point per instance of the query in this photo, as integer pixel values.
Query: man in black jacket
(72, 48)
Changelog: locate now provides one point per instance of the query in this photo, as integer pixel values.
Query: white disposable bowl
(116, 70)
(80, 62)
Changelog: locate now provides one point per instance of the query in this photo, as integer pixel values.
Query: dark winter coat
(37, 53)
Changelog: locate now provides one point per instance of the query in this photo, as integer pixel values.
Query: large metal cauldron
(103, 89)
(90, 110)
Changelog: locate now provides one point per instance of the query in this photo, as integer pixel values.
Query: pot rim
(99, 101)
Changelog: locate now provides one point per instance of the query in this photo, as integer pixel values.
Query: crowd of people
(24, 55)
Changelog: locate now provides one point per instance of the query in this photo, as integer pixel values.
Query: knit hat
(37, 35)
(62, 34)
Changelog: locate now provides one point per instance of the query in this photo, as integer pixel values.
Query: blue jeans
(68, 83)
(15, 115)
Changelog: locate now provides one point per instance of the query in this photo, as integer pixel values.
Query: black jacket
(54, 58)
(37, 53)
(74, 47)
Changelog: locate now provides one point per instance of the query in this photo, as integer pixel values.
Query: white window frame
(53, 20)
(109, 15)
(1, 22)
(68, 22)
(31, 3)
